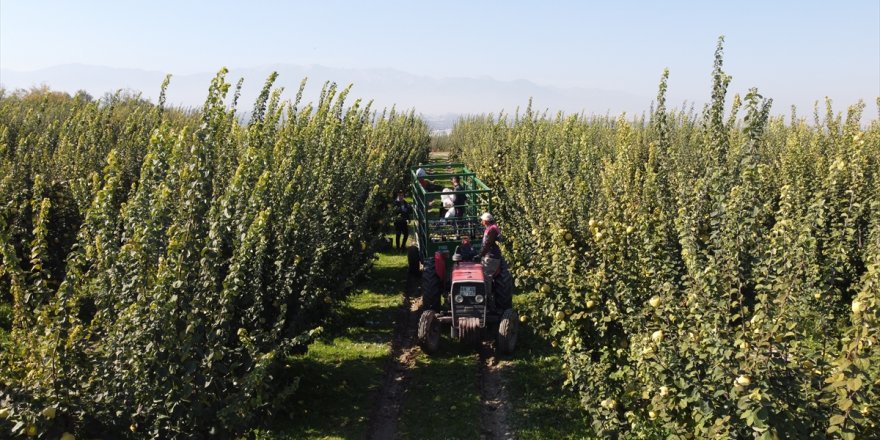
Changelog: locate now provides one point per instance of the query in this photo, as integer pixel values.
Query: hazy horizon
(455, 57)
(385, 87)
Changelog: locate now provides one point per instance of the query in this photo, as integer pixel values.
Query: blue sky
(794, 51)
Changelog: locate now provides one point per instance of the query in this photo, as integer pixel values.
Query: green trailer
(433, 230)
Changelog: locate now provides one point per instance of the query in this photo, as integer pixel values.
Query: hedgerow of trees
(163, 264)
(705, 276)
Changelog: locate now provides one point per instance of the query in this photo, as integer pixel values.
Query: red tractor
(471, 306)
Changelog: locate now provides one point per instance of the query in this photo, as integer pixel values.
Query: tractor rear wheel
(429, 332)
(507, 331)
(412, 259)
(430, 287)
(502, 288)
(469, 331)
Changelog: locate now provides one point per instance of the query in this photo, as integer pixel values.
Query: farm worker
(428, 186)
(459, 199)
(448, 203)
(490, 253)
(401, 222)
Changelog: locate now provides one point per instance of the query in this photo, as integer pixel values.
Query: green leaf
(854, 384)
(837, 420)
(767, 435)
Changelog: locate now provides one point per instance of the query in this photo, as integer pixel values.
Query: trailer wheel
(413, 259)
(469, 331)
(430, 287)
(507, 331)
(429, 332)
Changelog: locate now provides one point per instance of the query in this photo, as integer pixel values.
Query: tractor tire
(413, 260)
(469, 332)
(507, 332)
(429, 332)
(502, 289)
(430, 287)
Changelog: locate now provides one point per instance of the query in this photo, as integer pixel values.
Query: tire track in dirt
(384, 419)
(494, 402)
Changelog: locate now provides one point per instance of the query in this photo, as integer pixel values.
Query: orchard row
(163, 264)
(707, 276)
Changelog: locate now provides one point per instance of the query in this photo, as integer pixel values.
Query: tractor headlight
(479, 299)
(459, 299)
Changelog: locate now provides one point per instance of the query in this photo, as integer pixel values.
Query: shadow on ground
(323, 406)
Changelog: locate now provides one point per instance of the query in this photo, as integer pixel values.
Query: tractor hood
(467, 271)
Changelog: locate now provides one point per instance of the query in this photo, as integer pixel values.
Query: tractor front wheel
(429, 332)
(507, 331)
(502, 289)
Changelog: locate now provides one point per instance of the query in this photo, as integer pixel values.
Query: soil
(404, 350)
(494, 403)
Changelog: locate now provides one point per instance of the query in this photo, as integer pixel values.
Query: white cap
(487, 217)
(421, 173)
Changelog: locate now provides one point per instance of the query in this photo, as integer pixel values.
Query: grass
(540, 407)
(339, 370)
(442, 399)
(343, 369)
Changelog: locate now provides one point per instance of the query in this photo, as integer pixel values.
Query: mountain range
(439, 100)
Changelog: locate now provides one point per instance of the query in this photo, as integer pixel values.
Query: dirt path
(383, 421)
(494, 404)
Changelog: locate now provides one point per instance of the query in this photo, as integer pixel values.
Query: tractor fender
(440, 265)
